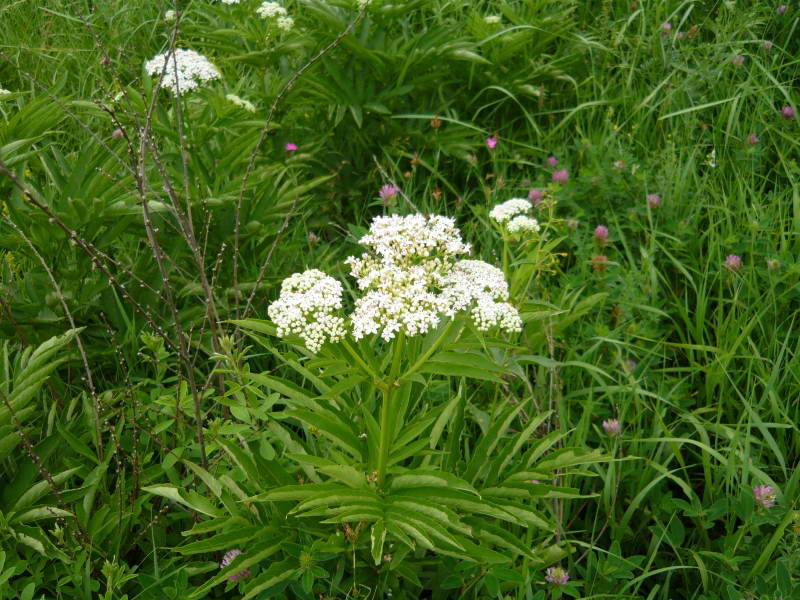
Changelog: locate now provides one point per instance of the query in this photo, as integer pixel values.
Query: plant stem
(387, 425)
(361, 363)
(386, 438)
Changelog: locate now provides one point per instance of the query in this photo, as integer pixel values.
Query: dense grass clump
(597, 399)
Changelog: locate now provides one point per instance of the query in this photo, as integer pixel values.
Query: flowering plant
(369, 406)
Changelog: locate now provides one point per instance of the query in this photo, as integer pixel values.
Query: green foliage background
(101, 479)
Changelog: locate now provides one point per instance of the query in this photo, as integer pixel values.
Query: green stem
(387, 425)
(361, 363)
(434, 347)
(506, 257)
(385, 441)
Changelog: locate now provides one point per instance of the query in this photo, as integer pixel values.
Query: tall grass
(698, 362)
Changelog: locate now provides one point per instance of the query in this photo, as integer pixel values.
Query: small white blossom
(306, 307)
(231, 1)
(4, 92)
(241, 102)
(510, 208)
(270, 9)
(523, 224)
(476, 284)
(169, 16)
(285, 23)
(488, 314)
(492, 19)
(415, 236)
(184, 71)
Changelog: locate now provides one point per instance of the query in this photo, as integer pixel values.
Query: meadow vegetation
(481, 299)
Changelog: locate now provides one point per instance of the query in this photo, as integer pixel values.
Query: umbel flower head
(183, 71)
(513, 215)
(307, 306)
(410, 277)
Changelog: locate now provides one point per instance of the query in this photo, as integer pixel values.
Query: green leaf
(223, 541)
(346, 474)
(463, 364)
(275, 574)
(377, 538)
(414, 478)
(240, 563)
(187, 498)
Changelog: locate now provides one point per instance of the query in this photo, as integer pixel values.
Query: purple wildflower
(764, 496)
(738, 60)
(561, 176)
(787, 112)
(752, 139)
(612, 427)
(491, 142)
(552, 161)
(387, 192)
(228, 559)
(556, 576)
(766, 45)
(733, 263)
(601, 235)
(117, 133)
(781, 9)
(535, 196)
(666, 28)
(653, 200)
(290, 147)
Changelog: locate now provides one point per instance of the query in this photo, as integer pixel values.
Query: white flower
(306, 307)
(492, 19)
(362, 3)
(169, 16)
(285, 23)
(270, 9)
(241, 102)
(182, 72)
(510, 208)
(410, 278)
(487, 314)
(4, 92)
(476, 284)
(231, 1)
(403, 273)
(415, 236)
(523, 224)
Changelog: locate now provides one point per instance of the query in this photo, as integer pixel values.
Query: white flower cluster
(273, 10)
(169, 16)
(410, 277)
(241, 102)
(523, 224)
(183, 71)
(231, 1)
(492, 19)
(510, 208)
(513, 214)
(413, 237)
(306, 306)
(4, 92)
(269, 10)
(408, 260)
(481, 285)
